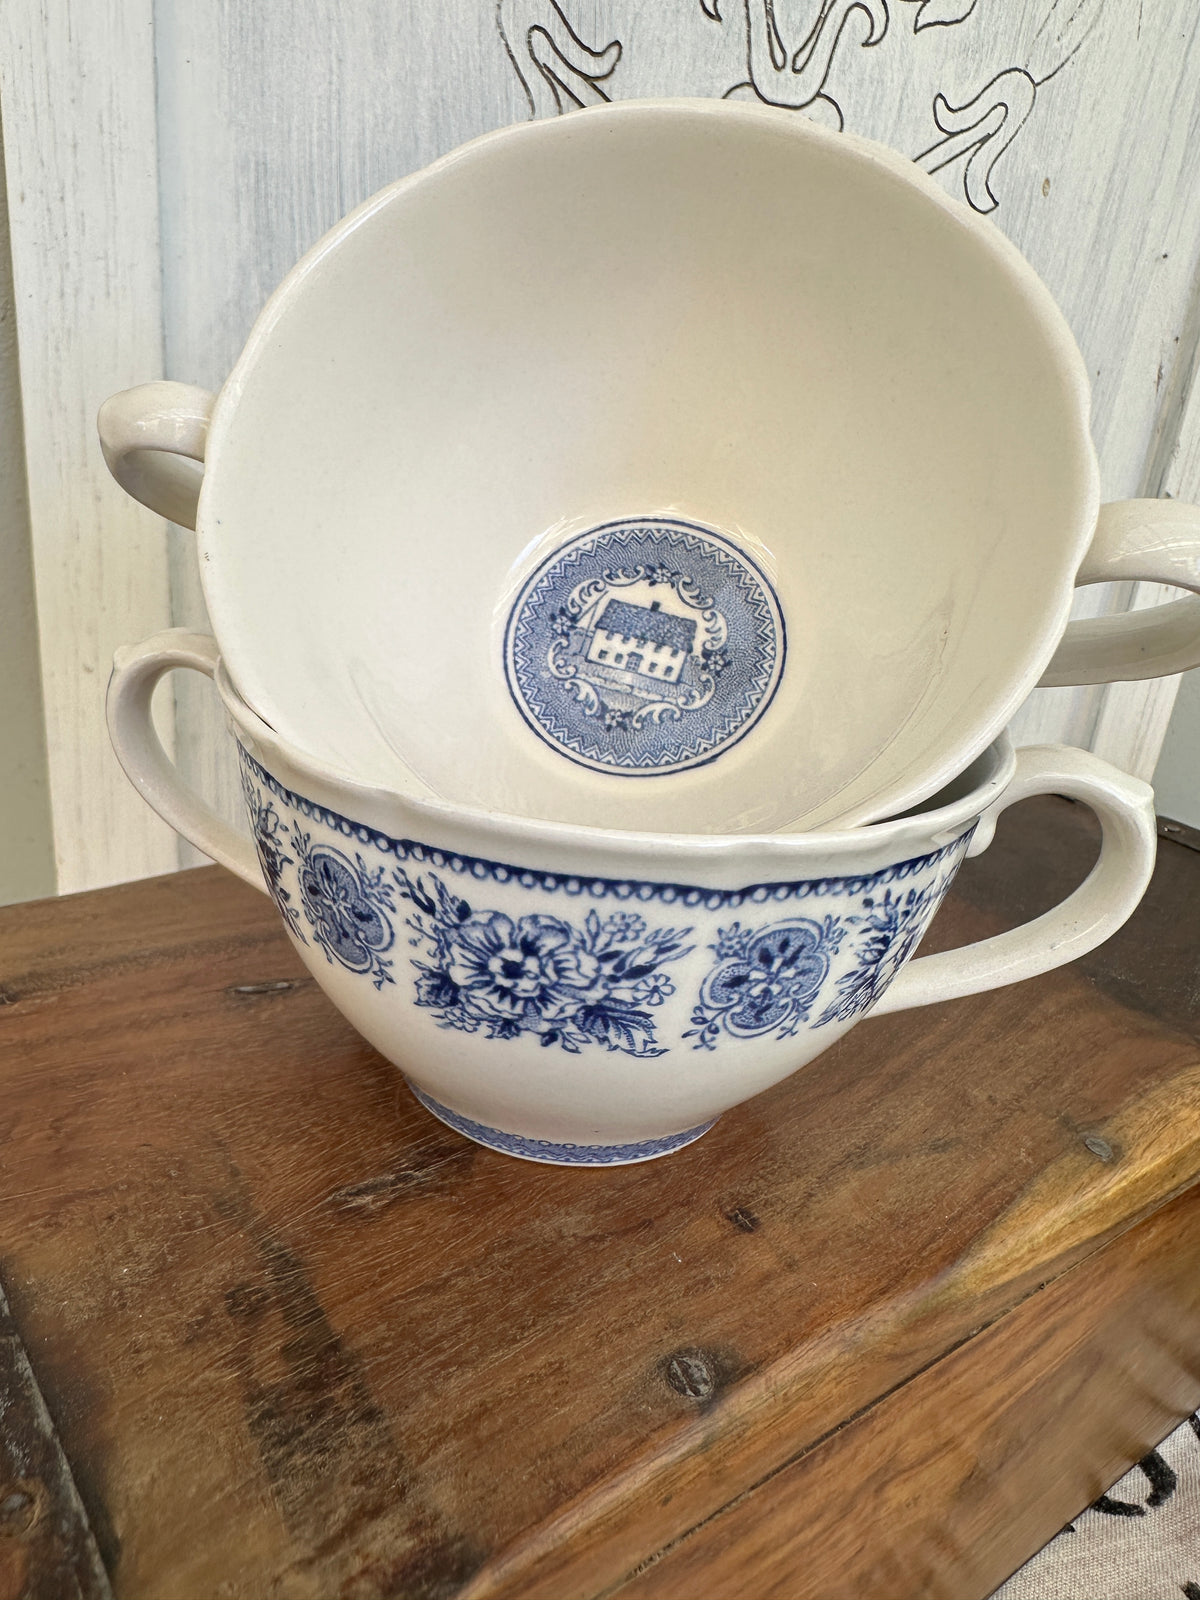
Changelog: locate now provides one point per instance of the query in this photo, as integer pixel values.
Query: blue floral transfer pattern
(765, 980)
(269, 837)
(890, 927)
(540, 975)
(598, 977)
(769, 979)
(346, 903)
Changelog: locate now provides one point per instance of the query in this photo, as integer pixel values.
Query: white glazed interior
(710, 861)
(704, 309)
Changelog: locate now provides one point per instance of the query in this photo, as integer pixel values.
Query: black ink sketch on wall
(795, 78)
(940, 13)
(560, 71)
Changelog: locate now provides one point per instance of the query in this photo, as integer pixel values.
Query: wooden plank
(943, 1488)
(77, 82)
(46, 1548)
(300, 1339)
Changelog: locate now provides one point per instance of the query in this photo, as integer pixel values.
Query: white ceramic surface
(844, 407)
(589, 997)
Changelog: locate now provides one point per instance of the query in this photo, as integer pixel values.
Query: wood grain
(46, 1548)
(300, 1340)
(1020, 1429)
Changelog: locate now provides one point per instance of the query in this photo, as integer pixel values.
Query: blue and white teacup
(592, 997)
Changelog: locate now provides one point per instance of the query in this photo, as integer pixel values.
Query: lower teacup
(593, 997)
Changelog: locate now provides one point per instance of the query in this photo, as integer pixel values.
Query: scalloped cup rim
(922, 775)
(949, 820)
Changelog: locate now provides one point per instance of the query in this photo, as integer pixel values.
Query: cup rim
(937, 825)
(919, 780)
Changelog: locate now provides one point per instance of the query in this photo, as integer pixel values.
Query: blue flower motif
(346, 905)
(516, 971)
(764, 981)
(891, 926)
(539, 975)
(269, 838)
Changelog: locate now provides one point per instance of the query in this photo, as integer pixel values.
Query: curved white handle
(153, 438)
(136, 670)
(1105, 899)
(1153, 541)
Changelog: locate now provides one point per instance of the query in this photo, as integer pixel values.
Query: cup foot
(558, 1155)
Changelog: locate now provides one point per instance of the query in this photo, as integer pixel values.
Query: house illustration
(645, 642)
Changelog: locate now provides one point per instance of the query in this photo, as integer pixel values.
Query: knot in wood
(742, 1217)
(1099, 1147)
(20, 1506)
(689, 1374)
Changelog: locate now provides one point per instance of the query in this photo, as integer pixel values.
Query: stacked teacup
(606, 532)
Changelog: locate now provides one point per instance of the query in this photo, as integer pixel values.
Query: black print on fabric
(1162, 1480)
(790, 65)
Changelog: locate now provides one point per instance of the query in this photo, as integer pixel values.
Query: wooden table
(878, 1335)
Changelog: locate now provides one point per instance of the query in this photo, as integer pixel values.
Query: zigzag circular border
(762, 603)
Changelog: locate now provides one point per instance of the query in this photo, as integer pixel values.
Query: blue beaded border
(558, 1155)
(599, 888)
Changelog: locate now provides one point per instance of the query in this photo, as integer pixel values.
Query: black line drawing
(1163, 1482)
(940, 13)
(795, 79)
(981, 130)
(557, 70)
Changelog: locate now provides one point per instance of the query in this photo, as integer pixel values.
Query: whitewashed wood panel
(1132, 720)
(77, 87)
(1073, 126)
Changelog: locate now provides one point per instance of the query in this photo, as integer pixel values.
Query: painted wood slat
(1073, 130)
(270, 127)
(1133, 717)
(77, 87)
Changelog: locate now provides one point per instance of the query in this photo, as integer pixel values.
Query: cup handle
(153, 438)
(1105, 899)
(1152, 541)
(136, 670)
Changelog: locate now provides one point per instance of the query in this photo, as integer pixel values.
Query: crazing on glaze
(644, 647)
(581, 976)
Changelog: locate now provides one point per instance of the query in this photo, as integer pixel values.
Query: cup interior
(709, 345)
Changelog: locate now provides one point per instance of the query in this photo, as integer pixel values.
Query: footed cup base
(556, 1154)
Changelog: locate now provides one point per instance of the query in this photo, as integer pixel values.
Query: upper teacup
(673, 465)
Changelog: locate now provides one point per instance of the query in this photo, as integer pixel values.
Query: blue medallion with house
(644, 646)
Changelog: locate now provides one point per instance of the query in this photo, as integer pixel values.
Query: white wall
(26, 845)
(166, 162)
(1177, 776)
